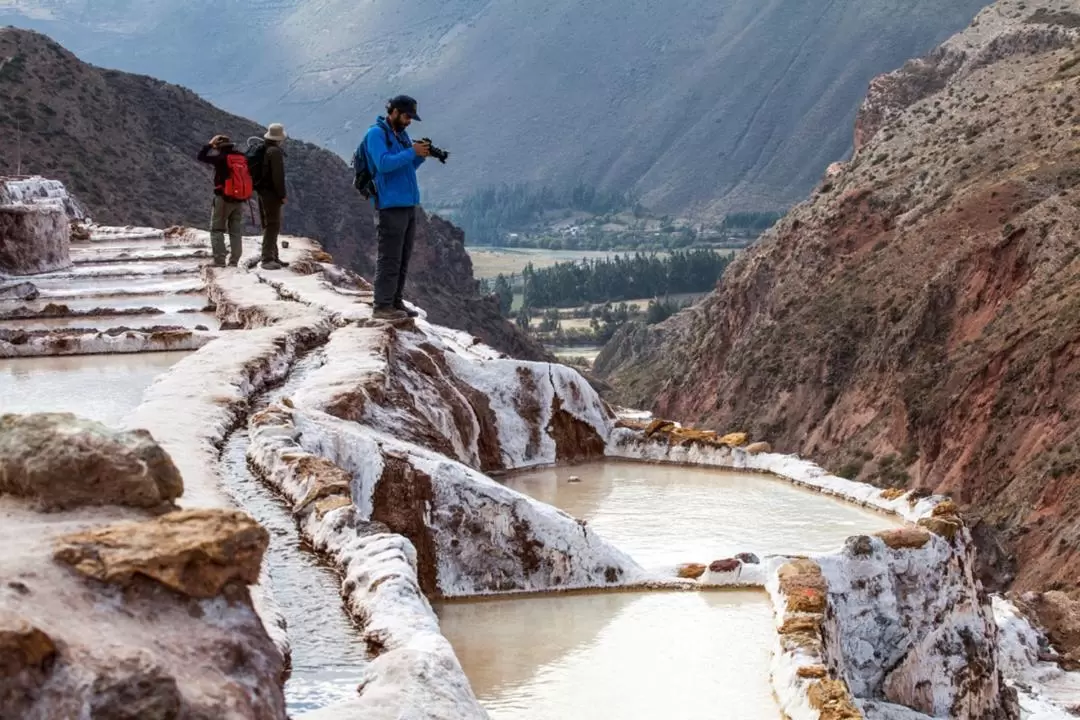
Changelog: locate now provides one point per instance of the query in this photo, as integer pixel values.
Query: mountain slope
(702, 106)
(917, 322)
(126, 144)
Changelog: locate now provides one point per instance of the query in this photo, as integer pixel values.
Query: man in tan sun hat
(270, 184)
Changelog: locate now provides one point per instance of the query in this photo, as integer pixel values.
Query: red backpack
(238, 186)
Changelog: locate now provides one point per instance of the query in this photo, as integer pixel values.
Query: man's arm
(205, 157)
(418, 161)
(384, 160)
(276, 162)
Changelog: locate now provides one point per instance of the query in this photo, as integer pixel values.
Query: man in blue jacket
(393, 159)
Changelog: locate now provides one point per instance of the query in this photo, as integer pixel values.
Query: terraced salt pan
(135, 268)
(664, 515)
(165, 302)
(64, 288)
(127, 253)
(691, 656)
(99, 387)
(105, 322)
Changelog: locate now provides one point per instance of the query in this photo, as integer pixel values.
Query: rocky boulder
(195, 552)
(691, 571)
(18, 291)
(62, 461)
(26, 657)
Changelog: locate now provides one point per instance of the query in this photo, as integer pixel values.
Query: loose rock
(860, 545)
(22, 646)
(691, 571)
(63, 461)
(910, 538)
(803, 585)
(737, 439)
(19, 291)
(759, 448)
(195, 552)
(833, 699)
(748, 559)
(947, 528)
(723, 566)
(135, 689)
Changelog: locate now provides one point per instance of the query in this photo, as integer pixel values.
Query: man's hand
(216, 140)
(421, 149)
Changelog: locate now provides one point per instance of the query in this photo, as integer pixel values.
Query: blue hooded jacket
(394, 167)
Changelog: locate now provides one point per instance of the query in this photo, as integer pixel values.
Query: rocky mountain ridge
(125, 145)
(699, 106)
(914, 323)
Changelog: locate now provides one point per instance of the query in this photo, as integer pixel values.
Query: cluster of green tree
(753, 221)
(622, 277)
(489, 214)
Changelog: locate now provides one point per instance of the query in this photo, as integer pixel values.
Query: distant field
(586, 352)
(569, 322)
(491, 262)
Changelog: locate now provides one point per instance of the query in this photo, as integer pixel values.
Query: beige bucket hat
(276, 131)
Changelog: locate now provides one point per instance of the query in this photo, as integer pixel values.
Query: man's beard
(397, 125)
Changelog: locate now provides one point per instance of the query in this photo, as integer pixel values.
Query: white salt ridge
(1019, 644)
(579, 557)
(113, 287)
(416, 673)
(98, 343)
(132, 269)
(37, 190)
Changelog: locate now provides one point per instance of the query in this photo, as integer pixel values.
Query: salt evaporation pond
(649, 655)
(99, 387)
(632, 656)
(664, 515)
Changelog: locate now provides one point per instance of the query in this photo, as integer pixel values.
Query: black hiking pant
(397, 229)
(270, 206)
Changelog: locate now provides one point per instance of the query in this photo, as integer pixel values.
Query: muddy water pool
(631, 656)
(648, 655)
(663, 515)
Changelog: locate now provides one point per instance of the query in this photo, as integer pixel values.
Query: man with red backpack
(232, 190)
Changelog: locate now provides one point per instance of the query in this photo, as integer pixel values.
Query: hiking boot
(407, 311)
(234, 262)
(271, 265)
(219, 263)
(389, 313)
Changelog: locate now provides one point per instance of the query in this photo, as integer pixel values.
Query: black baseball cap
(405, 104)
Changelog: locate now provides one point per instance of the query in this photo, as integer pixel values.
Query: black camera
(437, 153)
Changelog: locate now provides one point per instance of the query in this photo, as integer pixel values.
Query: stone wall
(33, 239)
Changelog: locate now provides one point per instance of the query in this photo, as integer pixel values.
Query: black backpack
(364, 178)
(256, 157)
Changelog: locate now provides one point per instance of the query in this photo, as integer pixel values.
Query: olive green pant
(227, 215)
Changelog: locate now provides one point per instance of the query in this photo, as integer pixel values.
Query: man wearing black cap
(393, 159)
